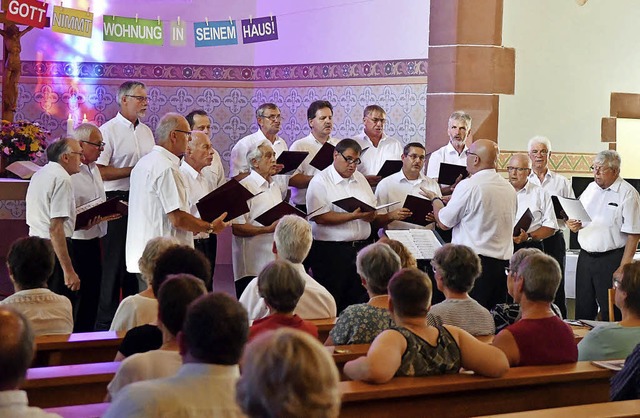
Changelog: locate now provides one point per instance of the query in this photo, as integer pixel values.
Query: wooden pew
(598, 410)
(464, 395)
(87, 347)
(324, 326)
(91, 410)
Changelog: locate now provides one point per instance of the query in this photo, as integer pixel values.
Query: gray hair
(463, 116)
(459, 267)
(539, 140)
(167, 124)
(608, 158)
(260, 110)
(541, 274)
(194, 139)
(58, 148)
(519, 256)
(84, 130)
(127, 88)
(281, 286)
(376, 263)
(256, 152)
(152, 251)
(293, 238)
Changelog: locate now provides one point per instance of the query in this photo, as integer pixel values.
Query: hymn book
(421, 243)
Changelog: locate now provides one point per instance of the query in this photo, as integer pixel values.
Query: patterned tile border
(323, 71)
(567, 162)
(13, 209)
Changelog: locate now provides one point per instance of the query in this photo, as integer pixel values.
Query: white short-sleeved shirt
(48, 312)
(87, 187)
(316, 302)
(327, 187)
(50, 195)
(251, 254)
(199, 184)
(124, 145)
(482, 213)
(538, 201)
(14, 403)
(154, 364)
(215, 170)
(374, 157)
(310, 144)
(157, 188)
(446, 154)
(614, 213)
(554, 184)
(238, 161)
(396, 187)
(133, 311)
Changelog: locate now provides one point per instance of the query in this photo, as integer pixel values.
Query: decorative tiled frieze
(561, 162)
(12, 209)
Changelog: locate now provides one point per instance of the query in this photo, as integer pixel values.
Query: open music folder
(112, 208)
(567, 208)
(231, 197)
(420, 208)
(350, 204)
(523, 223)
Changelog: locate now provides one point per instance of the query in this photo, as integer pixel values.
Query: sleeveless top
(544, 341)
(422, 359)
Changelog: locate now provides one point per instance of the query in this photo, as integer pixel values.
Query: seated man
(48, 312)
(211, 342)
(17, 347)
(540, 337)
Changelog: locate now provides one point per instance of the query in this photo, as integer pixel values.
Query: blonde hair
(407, 260)
(152, 251)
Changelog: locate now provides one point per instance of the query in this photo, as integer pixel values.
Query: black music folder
(524, 222)
(350, 204)
(450, 172)
(231, 197)
(291, 160)
(389, 167)
(111, 208)
(324, 157)
(567, 208)
(419, 208)
(277, 212)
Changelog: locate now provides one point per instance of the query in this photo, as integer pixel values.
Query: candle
(84, 120)
(70, 126)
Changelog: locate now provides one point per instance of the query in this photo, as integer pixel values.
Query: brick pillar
(468, 67)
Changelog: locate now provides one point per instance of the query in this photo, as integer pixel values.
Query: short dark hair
(16, 346)
(181, 259)
(459, 266)
(193, 113)
(630, 284)
(407, 148)
(348, 143)
(317, 105)
(30, 261)
(216, 329)
(373, 108)
(410, 293)
(281, 286)
(174, 297)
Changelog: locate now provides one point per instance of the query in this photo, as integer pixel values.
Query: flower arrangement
(22, 141)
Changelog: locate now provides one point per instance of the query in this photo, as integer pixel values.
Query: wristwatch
(210, 229)
(529, 237)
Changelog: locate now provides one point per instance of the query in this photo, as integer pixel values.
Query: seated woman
(616, 340)
(287, 373)
(625, 385)
(30, 262)
(406, 258)
(456, 267)
(415, 348)
(539, 337)
(140, 309)
(174, 297)
(281, 286)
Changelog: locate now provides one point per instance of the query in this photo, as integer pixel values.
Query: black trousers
(56, 281)
(556, 247)
(87, 262)
(490, 288)
(594, 276)
(208, 247)
(114, 269)
(333, 265)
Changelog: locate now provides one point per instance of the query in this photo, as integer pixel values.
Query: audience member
(415, 348)
(616, 340)
(281, 287)
(406, 258)
(292, 241)
(456, 268)
(539, 337)
(142, 308)
(17, 347)
(174, 297)
(30, 263)
(287, 373)
(211, 342)
(625, 385)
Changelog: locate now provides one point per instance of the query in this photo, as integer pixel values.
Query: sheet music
(574, 209)
(421, 243)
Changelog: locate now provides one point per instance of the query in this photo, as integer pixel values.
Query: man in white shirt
(555, 185)
(320, 119)
(292, 241)
(379, 147)
(126, 140)
(535, 199)
(252, 241)
(200, 182)
(159, 204)
(338, 235)
(481, 213)
(87, 253)
(51, 210)
(211, 342)
(17, 348)
(610, 240)
(269, 119)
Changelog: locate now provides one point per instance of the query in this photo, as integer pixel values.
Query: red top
(544, 341)
(276, 321)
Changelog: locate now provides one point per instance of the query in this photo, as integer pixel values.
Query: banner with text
(72, 21)
(132, 30)
(178, 33)
(259, 29)
(218, 33)
(27, 12)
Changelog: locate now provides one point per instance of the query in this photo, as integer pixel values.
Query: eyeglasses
(377, 120)
(187, 133)
(468, 153)
(141, 99)
(416, 157)
(541, 152)
(100, 145)
(518, 169)
(350, 160)
(616, 283)
(272, 118)
(76, 153)
(599, 168)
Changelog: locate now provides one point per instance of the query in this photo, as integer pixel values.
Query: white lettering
(121, 30)
(178, 34)
(25, 10)
(72, 22)
(212, 34)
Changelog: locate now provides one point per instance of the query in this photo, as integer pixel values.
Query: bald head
(483, 155)
(16, 348)
(199, 151)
